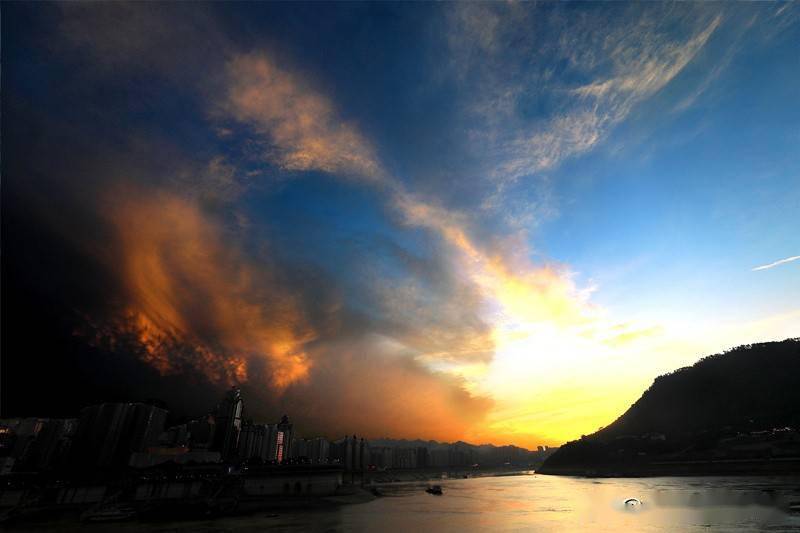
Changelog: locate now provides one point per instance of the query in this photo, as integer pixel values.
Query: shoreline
(186, 512)
(434, 474)
(687, 468)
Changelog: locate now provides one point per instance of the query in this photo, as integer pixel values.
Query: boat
(109, 514)
(434, 489)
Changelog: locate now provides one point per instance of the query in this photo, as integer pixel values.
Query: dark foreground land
(186, 495)
(736, 413)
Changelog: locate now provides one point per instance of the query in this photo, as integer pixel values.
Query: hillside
(735, 411)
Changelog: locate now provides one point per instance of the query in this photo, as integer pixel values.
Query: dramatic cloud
(369, 385)
(305, 134)
(512, 285)
(257, 217)
(197, 301)
(496, 299)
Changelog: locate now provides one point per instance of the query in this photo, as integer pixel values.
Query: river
(542, 503)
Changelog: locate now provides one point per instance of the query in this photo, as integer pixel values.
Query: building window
(280, 446)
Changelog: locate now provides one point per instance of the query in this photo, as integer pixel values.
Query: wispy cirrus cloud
(777, 263)
(616, 66)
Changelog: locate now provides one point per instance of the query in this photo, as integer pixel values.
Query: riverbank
(375, 485)
(679, 468)
(57, 517)
(431, 474)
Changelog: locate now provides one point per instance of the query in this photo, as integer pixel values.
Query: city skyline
(115, 437)
(495, 223)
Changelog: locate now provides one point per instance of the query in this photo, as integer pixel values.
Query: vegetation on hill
(738, 406)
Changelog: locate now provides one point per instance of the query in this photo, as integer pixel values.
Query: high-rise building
(175, 436)
(254, 442)
(422, 457)
(269, 445)
(283, 439)
(364, 453)
(108, 433)
(439, 457)
(318, 450)
(24, 432)
(201, 432)
(52, 443)
(300, 449)
(382, 457)
(228, 422)
(353, 454)
(275, 443)
(405, 458)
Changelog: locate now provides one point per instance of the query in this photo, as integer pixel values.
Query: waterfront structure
(179, 455)
(292, 480)
(257, 442)
(300, 450)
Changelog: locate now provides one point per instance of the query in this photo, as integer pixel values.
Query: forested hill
(706, 411)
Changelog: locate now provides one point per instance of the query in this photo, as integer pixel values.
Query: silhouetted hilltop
(464, 453)
(737, 408)
(433, 444)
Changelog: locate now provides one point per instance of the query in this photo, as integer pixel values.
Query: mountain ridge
(739, 406)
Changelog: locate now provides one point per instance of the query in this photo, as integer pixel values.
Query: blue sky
(527, 210)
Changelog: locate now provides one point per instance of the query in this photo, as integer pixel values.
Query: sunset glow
(491, 222)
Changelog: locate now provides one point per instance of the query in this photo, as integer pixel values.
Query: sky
(490, 222)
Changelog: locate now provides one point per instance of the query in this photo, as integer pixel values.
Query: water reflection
(545, 503)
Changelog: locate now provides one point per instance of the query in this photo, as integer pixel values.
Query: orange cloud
(301, 123)
(196, 301)
(500, 297)
(511, 285)
(369, 387)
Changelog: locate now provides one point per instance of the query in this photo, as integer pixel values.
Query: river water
(544, 503)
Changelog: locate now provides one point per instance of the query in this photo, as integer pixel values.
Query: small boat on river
(434, 489)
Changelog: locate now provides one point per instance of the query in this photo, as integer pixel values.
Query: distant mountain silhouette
(433, 444)
(735, 411)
